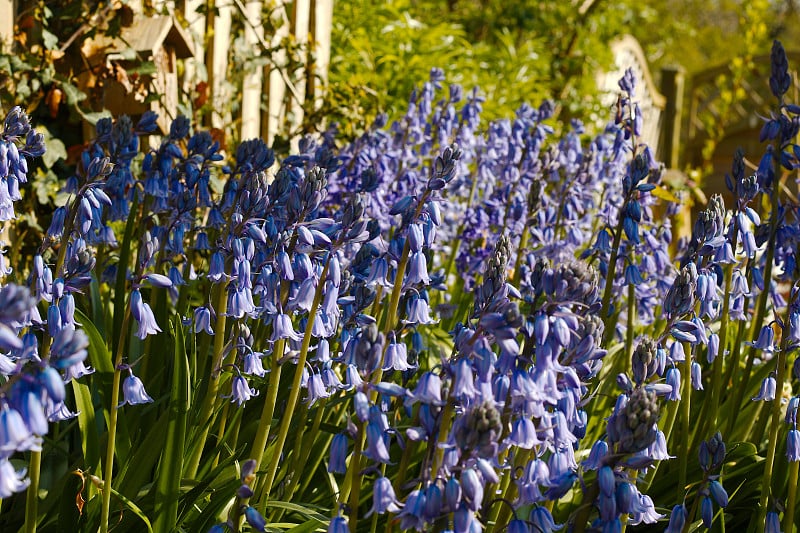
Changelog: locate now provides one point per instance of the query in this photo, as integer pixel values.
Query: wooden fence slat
(7, 20)
(252, 88)
(219, 62)
(276, 110)
(323, 22)
(302, 19)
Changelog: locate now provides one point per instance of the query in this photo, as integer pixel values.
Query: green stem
(686, 423)
(294, 391)
(268, 411)
(105, 510)
(788, 515)
(444, 430)
(716, 381)
(775, 420)
(583, 512)
(731, 374)
(303, 445)
(32, 497)
(669, 424)
(608, 332)
(210, 398)
(628, 353)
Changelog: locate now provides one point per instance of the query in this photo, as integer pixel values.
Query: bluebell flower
(645, 512)
(11, 481)
(791, 410)
(472, 485)
(202, 320)
(376, 444)
(412, 514)
(718, 493)
(596, 455)
(32, 411)
(316, 389)
(697, 376)
(429, 389)
(765, 341)
(523, 434)
(707, 511)
(14, 433)
(767, 390)
(605, 478)
(254, 518)
(338, 454)
(543, 521)
(464, 520)
(396, 356)
(676, 519)
(282, 328)
(69, 348)
(338, 525)
(144, 316)
(452, 492)
(133, 392)
(793, 445)
(773, 523)
(383, 498)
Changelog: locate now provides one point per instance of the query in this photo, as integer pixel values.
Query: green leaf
(99, 355)
(73, 94)
(87, 422)
(168, 475)
(126, 247)
(134, 509)
(664, 194)
(146, 68)
(55, 151)
(307, 511)
(50, 40)
(92, 118)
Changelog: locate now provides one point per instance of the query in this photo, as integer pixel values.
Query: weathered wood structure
(725, 106)
(200, 32)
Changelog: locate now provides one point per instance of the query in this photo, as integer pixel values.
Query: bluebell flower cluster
(456, 301)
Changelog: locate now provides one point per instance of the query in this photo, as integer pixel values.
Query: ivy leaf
(50, 40)
(55, 151)
(73, 94)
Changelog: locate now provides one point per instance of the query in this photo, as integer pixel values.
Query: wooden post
(276, 108)
(217, 73)
(302, 17)
(7, 16)
(253, 82)
(323, 22)
(672, 80)
(194, 67)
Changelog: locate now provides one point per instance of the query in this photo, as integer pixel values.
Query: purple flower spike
(133, 392)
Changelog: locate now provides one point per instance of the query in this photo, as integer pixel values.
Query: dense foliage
(436, 326)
